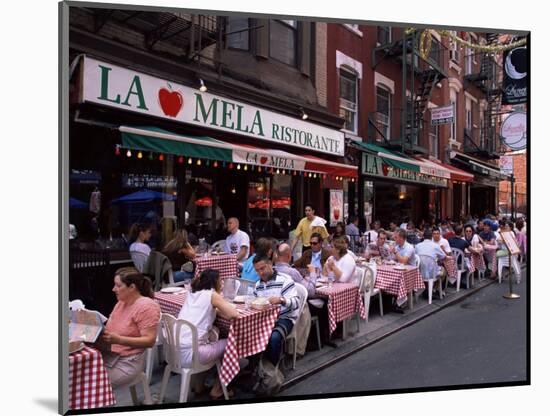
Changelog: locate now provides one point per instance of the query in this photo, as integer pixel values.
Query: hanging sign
(129, 90)
(506, 165)
(443, 115)
(513, 130)
(514, 83)
(336, 206)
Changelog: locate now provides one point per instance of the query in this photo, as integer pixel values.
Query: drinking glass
(249, 297)
(330, 280)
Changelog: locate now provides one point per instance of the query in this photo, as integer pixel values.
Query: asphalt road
(482, 339)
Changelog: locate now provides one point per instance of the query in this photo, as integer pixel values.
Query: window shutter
(262, 38)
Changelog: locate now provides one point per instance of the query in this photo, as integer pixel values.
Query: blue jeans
(180, 276)
(277, 339)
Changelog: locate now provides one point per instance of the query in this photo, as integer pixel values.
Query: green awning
(158, 140)
(373, 148)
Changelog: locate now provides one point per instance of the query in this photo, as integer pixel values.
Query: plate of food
(239, 299)
(322, 280)
(75, 346)
(319, 284)
(399, 267)
(260, 303)
(172, 289)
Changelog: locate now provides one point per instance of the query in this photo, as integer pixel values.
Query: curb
(378, 335)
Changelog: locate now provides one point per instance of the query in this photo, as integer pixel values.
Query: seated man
(380, 248)
(440, 241)
(280, 290)
(430, 248)
(315, 255)
(238, 241)
(283, 266)
(264, 246)
(403, 251)
(457, 241)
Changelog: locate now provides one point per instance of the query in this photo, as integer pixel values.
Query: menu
(85, 325)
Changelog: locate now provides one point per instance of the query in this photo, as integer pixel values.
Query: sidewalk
(369, 333)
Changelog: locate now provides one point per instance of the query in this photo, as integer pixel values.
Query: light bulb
(140, 155)
(189, 161)
(128, 153)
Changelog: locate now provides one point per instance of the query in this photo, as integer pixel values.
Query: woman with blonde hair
(181, 254)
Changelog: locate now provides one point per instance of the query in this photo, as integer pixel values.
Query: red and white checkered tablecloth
(398, 282)
(449, 264)
(344, 300)
(89, 384)
(247, 335)
(226, 264)
(477, 262)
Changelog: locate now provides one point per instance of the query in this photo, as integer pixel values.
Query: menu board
(511, 242)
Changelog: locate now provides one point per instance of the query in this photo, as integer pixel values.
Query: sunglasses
(313, 243)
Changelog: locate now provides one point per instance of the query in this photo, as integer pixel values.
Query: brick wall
(321, 62)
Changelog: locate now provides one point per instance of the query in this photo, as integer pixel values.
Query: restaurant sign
(442, 115)
(269, 160)
(129, 90)
(377, 167)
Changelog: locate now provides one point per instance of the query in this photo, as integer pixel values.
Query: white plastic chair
(428, 270)
(140, 379)
(503, 262)
(171, 329)
(139, 259)
(359, 279)
(302, 295)
(368, 290)
(460, 261)
(219, 244)
(150, 354)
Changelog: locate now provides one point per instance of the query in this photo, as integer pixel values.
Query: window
(469, 61)
(383, 111)
(453, 48)
(348, 100)
(237, 33)
(453, 127)
(469, 119)
(384, 35)
(434, 141)
(282, 41)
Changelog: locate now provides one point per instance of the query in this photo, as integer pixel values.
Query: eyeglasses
(314, 243)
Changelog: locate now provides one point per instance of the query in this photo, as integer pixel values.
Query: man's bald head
(284, 253)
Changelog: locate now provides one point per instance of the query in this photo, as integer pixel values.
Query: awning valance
(456, 173)
(161, 141)
(391, 158)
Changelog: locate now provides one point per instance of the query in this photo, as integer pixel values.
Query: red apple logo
(170, 101)
(385, 169)
(263, 160)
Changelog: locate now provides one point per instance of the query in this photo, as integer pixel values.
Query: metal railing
(387, 130)
(480, 140)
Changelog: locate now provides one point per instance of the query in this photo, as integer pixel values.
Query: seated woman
(132, 326)
(339, 231)
(340, 265)
(180, 253)
(200, 309)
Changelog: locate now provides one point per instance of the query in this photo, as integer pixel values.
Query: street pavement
(481, 339)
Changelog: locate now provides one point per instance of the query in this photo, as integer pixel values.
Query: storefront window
(198, 202)
(258, 207)
(281, 202)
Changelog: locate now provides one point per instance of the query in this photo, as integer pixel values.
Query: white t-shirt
(445, 243)
(141, 247)
(373, 236)
(346, 265)
(234, 242)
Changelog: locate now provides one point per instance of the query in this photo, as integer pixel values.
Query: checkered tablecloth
(449, 264)
(398, 282)
(344, 300)
(89, 384)
(246, 335)
(491, 253)
(477, 262)
(226, 264)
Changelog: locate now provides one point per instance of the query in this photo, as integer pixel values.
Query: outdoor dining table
(344, 300)
(449, 264)
(248, 334)
(225, 263)
(491, 253)
(477, 262)
(89, 384)
(398, 282)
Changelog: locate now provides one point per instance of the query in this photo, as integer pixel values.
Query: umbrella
(77, 203)
(144, 195)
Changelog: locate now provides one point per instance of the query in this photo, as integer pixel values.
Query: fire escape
(484, 142)
(163, 33)
(419, 76)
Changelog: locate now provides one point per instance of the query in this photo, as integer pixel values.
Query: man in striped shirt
(279, 289)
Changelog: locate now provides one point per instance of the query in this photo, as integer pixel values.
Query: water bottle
(330, 280)
(249, 296)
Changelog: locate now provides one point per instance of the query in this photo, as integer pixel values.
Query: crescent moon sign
(511, 70)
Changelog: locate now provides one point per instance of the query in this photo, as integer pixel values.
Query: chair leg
(366, 298)
(381, 303)
(184, 386)
(318, 331)
(459, 275)
(440, 289)
(165, 378)
(133, 393)
(224, 387)
(146, 392)
(149, 360)
(430, 289)
(294, 348)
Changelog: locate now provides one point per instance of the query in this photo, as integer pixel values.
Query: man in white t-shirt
(441, 242)
(238, 241)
